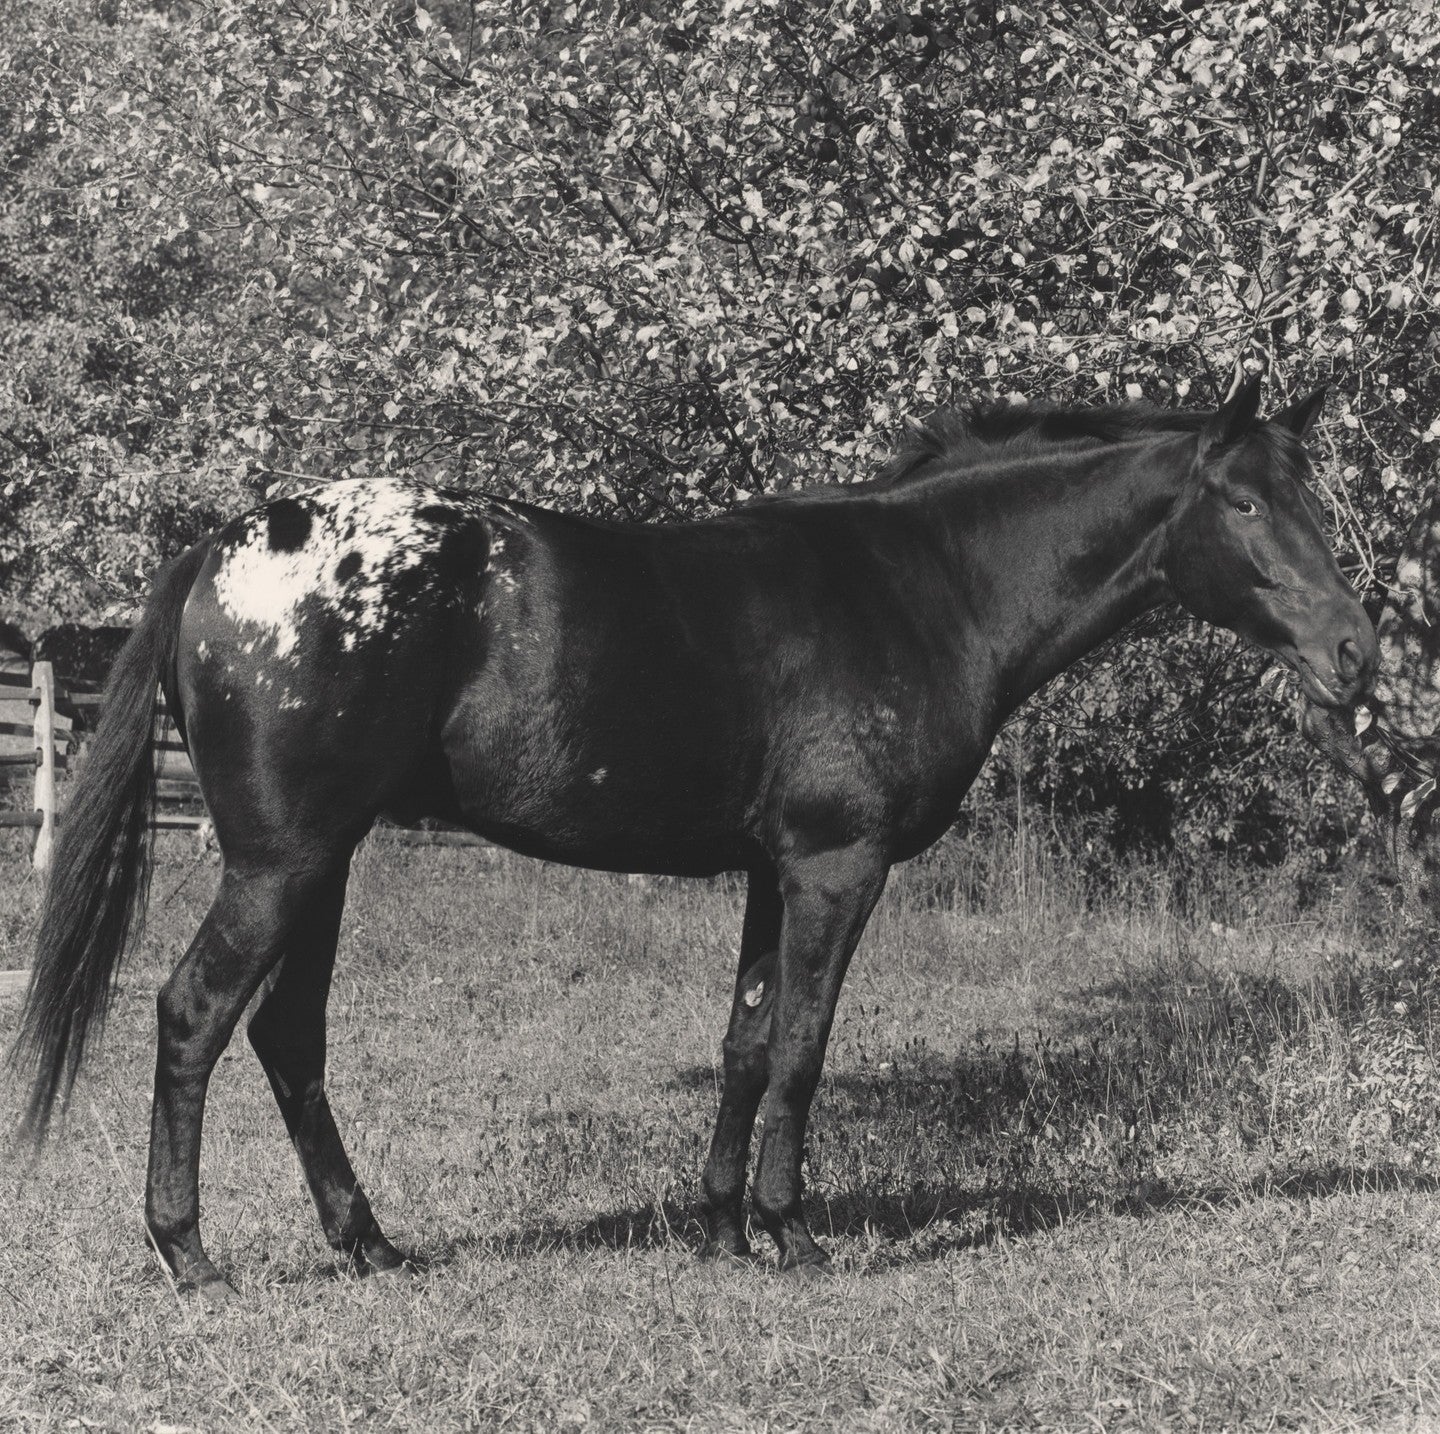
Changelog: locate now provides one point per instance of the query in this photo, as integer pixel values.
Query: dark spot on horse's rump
(439, 513)
(462, 547)
(347, 567)
(289, 525)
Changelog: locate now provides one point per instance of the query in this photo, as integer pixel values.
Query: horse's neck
(1059, 552)
(1407, 689)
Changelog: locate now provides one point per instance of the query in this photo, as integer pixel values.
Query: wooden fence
(51, 746)
(47, 743)
(37, 690)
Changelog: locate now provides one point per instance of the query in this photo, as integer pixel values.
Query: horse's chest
(871, 770)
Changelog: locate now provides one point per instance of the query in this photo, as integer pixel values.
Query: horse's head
(1245, 549)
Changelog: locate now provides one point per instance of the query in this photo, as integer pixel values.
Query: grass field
(1105, 1165)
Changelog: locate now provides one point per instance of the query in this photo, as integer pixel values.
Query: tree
(650, 260)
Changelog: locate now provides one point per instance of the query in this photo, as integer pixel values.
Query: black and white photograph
(719, 715)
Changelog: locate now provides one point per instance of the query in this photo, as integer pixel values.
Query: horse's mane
(958, 436)
(953, 438)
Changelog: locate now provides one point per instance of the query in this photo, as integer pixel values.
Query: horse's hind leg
(745, 1068)
(241, 938)
(288, 1034)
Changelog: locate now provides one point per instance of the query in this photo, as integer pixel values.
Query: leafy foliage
(649, 260)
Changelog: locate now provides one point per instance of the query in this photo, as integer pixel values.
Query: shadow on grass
(924, 1154)
(1063, 1127)
(955, 1220)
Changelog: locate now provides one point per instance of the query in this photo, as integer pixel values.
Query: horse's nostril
(1349, 659)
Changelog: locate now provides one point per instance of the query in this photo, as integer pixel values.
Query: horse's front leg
(828, 898)
(745, 1041)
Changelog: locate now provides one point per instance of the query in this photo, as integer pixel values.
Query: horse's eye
(1246, 508)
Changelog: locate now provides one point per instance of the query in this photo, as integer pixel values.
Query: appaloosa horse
(801, 690)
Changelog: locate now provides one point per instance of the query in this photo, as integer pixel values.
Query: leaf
(443, 374)
(1413, 799)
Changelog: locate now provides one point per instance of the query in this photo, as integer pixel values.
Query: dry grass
(1119, 1167)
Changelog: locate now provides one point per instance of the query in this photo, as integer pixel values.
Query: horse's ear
(1237, 414)
(1299, 417)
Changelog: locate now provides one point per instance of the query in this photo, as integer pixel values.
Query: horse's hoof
(198, 1278)
(375, 1255)
(217, 1293)
(405, 1270)
(809, 1270)
(713, 1252)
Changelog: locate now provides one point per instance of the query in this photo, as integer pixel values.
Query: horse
(84, 654)
(801, 690)
(15, 648)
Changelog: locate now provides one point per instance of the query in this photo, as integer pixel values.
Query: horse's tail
(95, 899)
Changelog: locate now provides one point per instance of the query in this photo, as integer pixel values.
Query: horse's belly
(616, 806)
(606, 850)
(581, 824)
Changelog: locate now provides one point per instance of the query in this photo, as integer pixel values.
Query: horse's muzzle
(1339, 673)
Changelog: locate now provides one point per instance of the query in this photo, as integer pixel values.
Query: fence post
(42, 677)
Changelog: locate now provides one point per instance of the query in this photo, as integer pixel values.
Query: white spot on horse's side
(755, 995)
(598, 775)
(510, 510)
(203, 651)
(362, 535)
(249, 646)
(289, 703)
